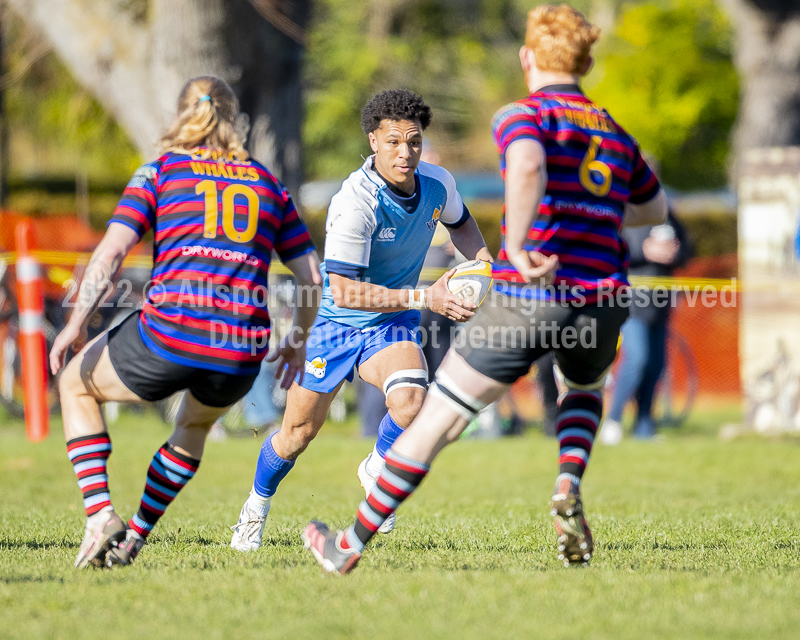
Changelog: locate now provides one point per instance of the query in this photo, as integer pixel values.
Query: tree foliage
(460, 56)
(667, 76)
(135, 55)
(664, 72)
(57, 128)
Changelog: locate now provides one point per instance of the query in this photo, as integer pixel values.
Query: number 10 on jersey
(208, 188)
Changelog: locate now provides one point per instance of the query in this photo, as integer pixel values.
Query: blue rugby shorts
(335, 350)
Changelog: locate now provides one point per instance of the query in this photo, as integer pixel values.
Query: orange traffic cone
(33, 348)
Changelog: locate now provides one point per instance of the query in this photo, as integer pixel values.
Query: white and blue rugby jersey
(374, 234)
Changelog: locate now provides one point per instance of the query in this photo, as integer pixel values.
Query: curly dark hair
(395, 104)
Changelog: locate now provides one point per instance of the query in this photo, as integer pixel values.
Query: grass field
(696, 538)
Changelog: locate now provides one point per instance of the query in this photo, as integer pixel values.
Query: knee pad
(460, 401)
(406, 378)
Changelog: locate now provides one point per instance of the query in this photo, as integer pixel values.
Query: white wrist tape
(416, 299)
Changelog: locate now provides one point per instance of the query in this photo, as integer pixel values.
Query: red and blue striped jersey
(593, 168)
(216, 223)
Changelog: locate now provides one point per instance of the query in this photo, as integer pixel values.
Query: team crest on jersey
(431, 224)
(510, 111)
(387, 234)
(316, 367)
(143, 174)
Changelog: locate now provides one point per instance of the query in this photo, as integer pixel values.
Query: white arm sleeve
(454, 207)
(349, 228)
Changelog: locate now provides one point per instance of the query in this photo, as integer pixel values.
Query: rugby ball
(471, 281)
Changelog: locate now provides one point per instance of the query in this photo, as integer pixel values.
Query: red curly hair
(561, 38)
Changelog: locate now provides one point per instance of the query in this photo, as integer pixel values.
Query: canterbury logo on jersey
(387, 235)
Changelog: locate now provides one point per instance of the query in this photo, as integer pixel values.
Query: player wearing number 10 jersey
(217, 216)
(216, 222)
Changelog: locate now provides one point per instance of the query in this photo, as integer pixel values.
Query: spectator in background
(654, 251)
(258, 407)
(257, 414)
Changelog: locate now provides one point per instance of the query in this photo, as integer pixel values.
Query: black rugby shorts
(507, 335)
(154, 378)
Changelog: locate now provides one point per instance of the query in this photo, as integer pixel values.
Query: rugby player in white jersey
(379, 228)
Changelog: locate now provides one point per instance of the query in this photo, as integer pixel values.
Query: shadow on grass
(13, 545)
(31, 579)
(288, 542)
(646, 545)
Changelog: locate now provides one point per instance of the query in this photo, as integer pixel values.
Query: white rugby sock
(375, 463)
(258, 503)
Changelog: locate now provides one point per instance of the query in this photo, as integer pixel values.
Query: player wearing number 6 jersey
(216, 215)
(573, 177)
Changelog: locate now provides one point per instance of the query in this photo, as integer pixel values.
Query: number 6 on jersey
(591, 164)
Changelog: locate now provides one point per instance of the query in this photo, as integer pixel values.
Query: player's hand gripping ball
(471, 281)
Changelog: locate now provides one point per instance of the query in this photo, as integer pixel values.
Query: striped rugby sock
(399, 479)
(168, 473)
(89, 456)
(576, 425)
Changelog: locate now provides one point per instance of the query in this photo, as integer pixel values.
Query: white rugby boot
(103, 531)
(610, 432)
(247, 533)
(368, 481)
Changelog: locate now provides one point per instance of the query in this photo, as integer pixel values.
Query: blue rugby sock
(388, 432)
(270, 470)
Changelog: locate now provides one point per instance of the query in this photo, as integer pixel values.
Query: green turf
(696, 538)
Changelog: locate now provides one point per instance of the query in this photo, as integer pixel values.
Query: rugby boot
(126, 551)
(326, 547)
(103, 531)
(247, 533)
(367, 483)
(610, 433)
(575, 544)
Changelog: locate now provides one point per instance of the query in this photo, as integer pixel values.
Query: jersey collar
(408, 203)
(560, 88)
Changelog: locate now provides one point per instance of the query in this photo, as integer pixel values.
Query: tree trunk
(3, 115)
(768, 59)
(107, 52)
(187, 42)
(381, 13)
(266, 67)
(136, 65)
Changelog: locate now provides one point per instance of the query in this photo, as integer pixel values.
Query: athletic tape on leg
(463, 403)
(406, 378)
